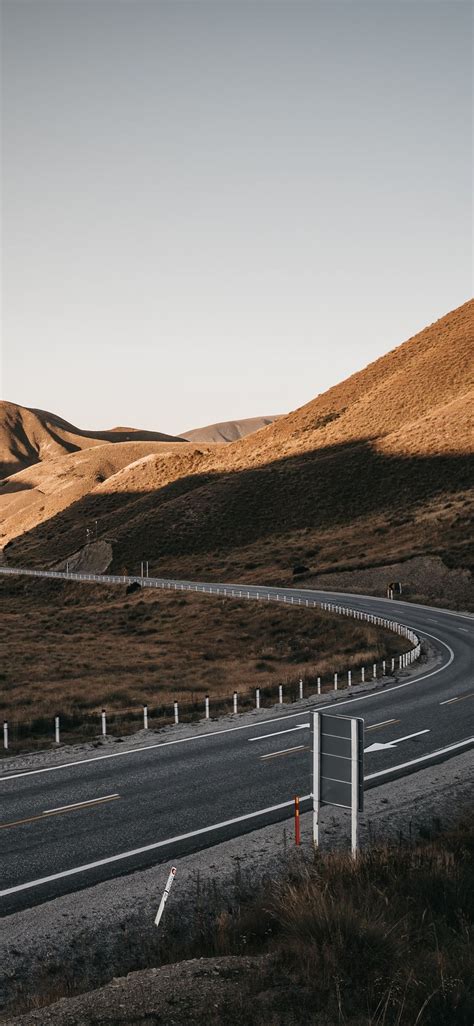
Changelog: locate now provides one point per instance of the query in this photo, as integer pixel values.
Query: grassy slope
(374, 470)
(94, 646)
(29, 436)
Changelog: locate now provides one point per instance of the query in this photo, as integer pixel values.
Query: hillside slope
(30, 436)
(376, 470)
(229, 430)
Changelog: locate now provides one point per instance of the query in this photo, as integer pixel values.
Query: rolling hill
(375, 472)
(228, 431)
(30, 436)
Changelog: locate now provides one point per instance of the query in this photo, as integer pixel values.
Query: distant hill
(229, 430)
(377, 471)
(29, 436)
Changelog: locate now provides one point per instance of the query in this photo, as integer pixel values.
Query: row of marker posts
(404, 660)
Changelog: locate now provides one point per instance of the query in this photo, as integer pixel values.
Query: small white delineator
(165, 895)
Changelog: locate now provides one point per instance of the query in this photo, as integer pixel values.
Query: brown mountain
(30, 436)
(229, 430)
(376, 472)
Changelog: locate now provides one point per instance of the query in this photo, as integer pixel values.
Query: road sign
(337, 767)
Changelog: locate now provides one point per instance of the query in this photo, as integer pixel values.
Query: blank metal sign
(336, 764)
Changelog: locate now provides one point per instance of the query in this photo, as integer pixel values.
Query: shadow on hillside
(325, 488)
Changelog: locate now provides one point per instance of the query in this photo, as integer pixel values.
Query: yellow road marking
(286, 751)
(59, 812)
(460, 698)
(385, 723)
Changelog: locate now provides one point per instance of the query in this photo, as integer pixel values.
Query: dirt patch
(422, 577)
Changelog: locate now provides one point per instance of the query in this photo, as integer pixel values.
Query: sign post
(337, 768)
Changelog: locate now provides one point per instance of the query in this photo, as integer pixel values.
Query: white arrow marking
(378, 746)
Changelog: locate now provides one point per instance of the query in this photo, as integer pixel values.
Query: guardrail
(248, 592)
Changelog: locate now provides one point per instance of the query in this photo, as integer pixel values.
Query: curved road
(160, 801)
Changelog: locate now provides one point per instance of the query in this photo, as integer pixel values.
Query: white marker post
(235, 701)
(56, 729)
(104, 723)
(318, 685)
(301, 688)
(349, 678)
(354, 788)
(206, 707)
(315, 777)
(335, 682)
(145, 717)
(5, 734)
(165, 895)
(280, 694)
(257, 698)
(176, 715)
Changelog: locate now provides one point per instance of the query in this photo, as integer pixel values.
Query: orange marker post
(297, 821)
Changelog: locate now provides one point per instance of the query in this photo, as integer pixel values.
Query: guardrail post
(280, 694)
(145, 717)
(56, 729)
(5, 734)
(257, 698)
(235, 701)
(176, 715)
(206, 707)
(104, 723)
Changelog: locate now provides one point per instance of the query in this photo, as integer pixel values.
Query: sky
(217, 209)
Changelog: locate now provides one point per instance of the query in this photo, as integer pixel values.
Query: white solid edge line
(79, 805)
(421, 758)
(147, 847)
(244, 726)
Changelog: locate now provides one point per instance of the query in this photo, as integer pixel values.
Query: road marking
(286, 751)
(421, 758)
(465, 629)
(379, 745)
(148, 847)
(459, 698)
(59, 811)
(246, 726)
(385, 723)
(262, 737)
(81, 805)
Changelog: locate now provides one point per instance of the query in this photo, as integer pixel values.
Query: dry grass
(372, 469)
(73, 648)
(384, 941)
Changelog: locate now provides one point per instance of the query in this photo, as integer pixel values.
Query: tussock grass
(387, 940)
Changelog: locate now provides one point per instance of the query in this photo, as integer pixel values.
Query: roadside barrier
(161, 716)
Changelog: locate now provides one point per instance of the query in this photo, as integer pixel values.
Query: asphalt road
(172, 797)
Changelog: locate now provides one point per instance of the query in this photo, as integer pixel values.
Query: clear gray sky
(218, 208)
